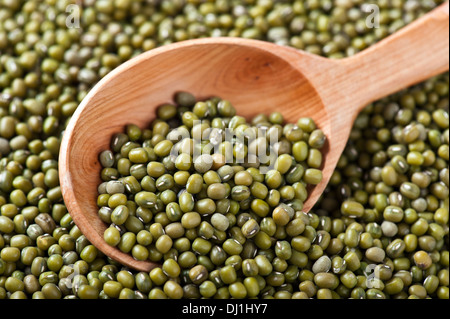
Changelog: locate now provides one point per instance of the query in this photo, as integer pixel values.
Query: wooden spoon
(257, 77)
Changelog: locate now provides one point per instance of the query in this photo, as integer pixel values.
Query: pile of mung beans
(380, 229)
(207, 183)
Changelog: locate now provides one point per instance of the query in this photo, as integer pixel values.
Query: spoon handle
(409, 56)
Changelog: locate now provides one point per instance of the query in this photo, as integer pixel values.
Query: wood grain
(257, 77)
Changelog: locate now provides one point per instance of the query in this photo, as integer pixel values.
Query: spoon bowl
(257, 77)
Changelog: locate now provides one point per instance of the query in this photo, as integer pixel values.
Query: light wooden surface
(257, 77)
